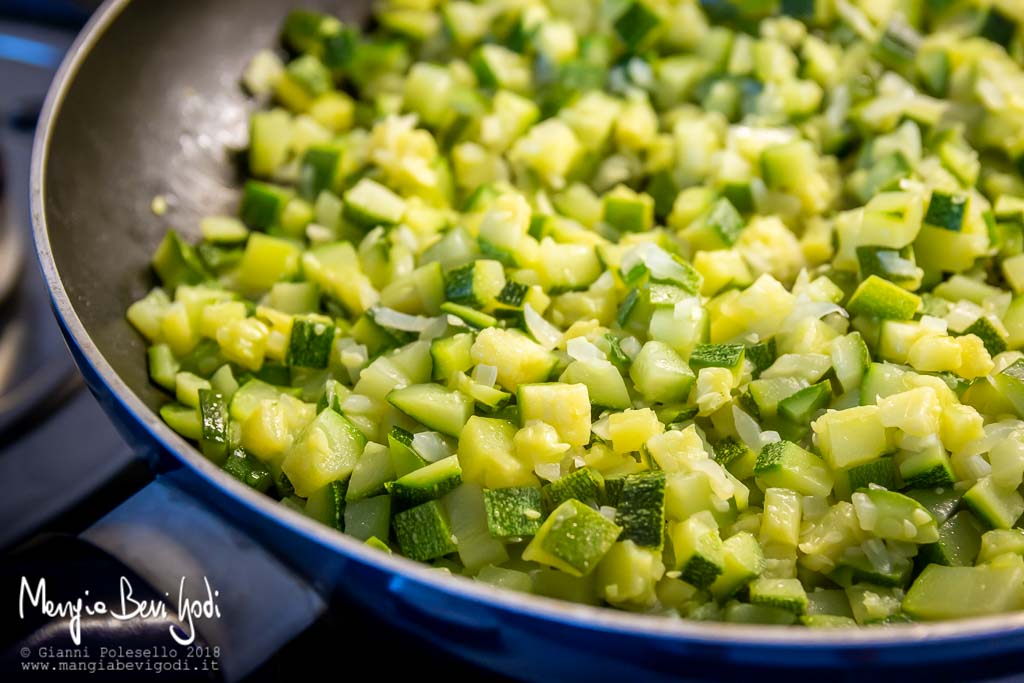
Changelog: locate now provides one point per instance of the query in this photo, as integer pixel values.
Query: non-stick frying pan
(146, 104)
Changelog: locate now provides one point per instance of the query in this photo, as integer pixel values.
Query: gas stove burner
(12, 256)
(35, 371)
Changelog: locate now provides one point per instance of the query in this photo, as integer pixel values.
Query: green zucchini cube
(894, 265)
(514, 512)
(881, 472)
(885, 174)
(728, 356)
(743, 562)
(897, 46)
(660, 374)
(318, 170)
(959, 542)
(697, 550)
(574, 538)
(248, 470)
(729, 449)
(787, 594)
(369, 204)
(762, 355)
(176, 263)
(882, 299)
(990, 336)
(1010, 383)
(998, 27)
(327, 504)
(475, 284)
(636, 23)
(784, 464)
(213, 410)
(628, 211)
(585, 485)
(719, 228)
(946, 211)
(928, 468)
(311, 342)
(641, 509)
(426, 483)
(800, 407)
(997, 507)
(262, 204)
(423, 532)
(309, 74)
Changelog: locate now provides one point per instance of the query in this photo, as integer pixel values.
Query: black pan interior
(153, 110)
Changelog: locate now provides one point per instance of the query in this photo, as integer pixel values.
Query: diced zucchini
(628, 211)
(468, 514)
(262, 204)
(999, 542)
(605, 385)
(785, 464)
(851, 437)
(880, 472)
(640, 510)
(176, 263)
(585, 485)
(959, 542)
(946, 211)
(800, 407)
(327, 450)
(248, 470)
(997, 507)
(719, 228)
(787, 594)
(368, 518)
(426, 483)
(514, 512)
(697, 550)
(574, 538)
(475, 284)
(743, 562)
(882, 299)
(566, 407)
(487, 455)
(894, 516)
(927, 468)
(729, 356)
(519, 359)
(310, 343)
(424, 532)
(368, 203)
(327, 504)
(185, 420)
(637, 22)
(957, 592)
(434, 406)
(660, 374)
(216, 439)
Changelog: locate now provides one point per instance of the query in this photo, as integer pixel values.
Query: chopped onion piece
(579, 348)
(357, 403)
(746, 428)
(545, 334)
(630, 346)
(549, 471)
(395, 320)
(485, 374)
(431, 446)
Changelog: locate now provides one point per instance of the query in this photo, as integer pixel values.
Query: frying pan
(147, 103)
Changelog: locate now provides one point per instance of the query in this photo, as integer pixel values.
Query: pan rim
(584, 617)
